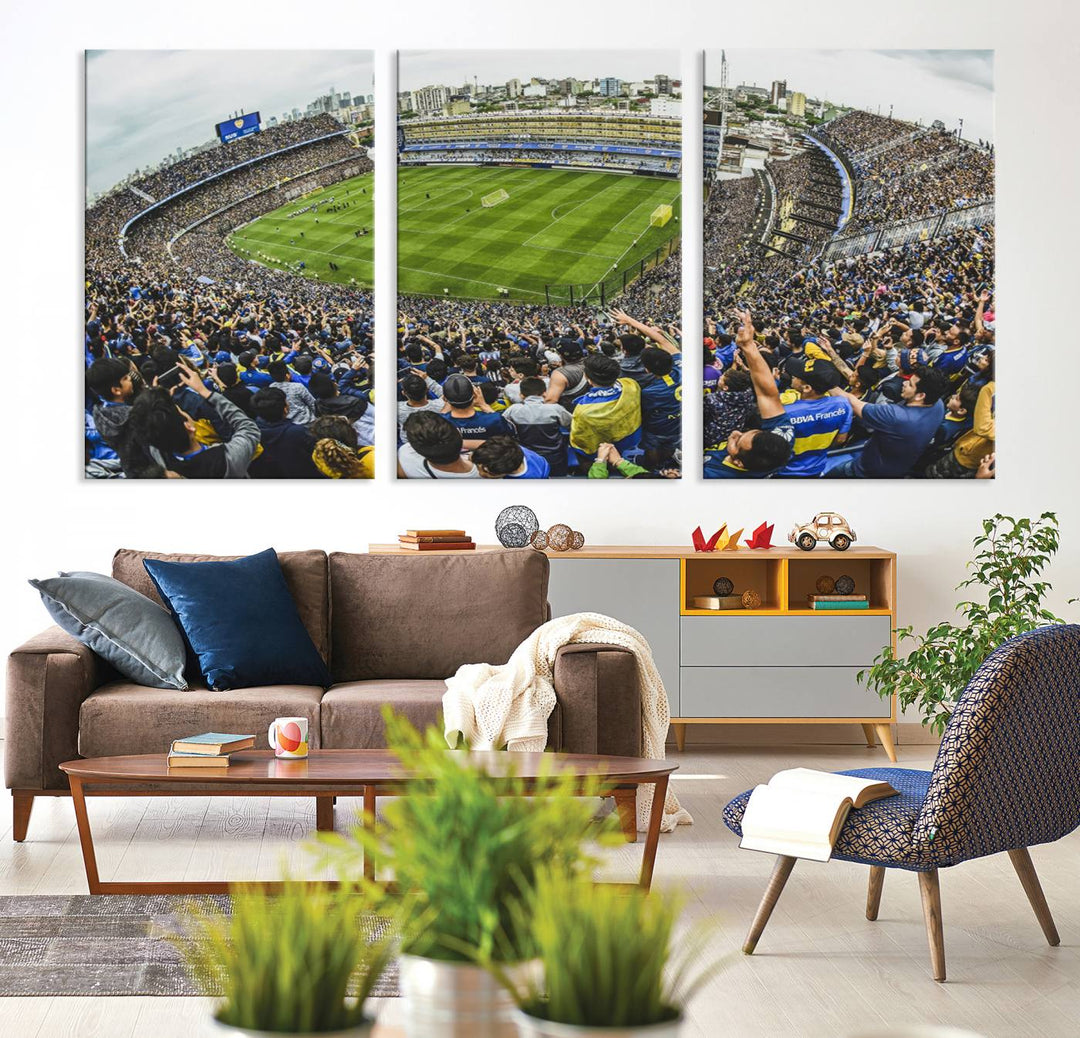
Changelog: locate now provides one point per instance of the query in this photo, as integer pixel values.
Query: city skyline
(183, 94)
(920, 85)
(454, 68)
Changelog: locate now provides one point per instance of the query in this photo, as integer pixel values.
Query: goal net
(489, 201)
(660, 216)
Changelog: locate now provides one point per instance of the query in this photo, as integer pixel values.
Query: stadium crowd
(200, 364)
(500, 390)
(879, 365)
(544, 156)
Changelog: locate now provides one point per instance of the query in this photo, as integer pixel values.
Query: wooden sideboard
(779, 663)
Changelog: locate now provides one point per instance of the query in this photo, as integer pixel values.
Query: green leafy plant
(1009, 560)
(294, 962)
(465, 846)
(607, 957)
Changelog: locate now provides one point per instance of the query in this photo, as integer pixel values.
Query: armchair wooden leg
(873, 892)
(931, 906)
(21, 804)
(871, 739)
(680, 736)
(1021, 860)
(781, 871)
(884, 732)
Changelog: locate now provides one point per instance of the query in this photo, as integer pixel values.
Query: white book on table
(801, 811)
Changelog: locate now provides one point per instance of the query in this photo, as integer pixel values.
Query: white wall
(55, 520)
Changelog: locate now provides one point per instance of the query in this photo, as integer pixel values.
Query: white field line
(300, 248)
(629, 247)
(475, 281)
(578, 205)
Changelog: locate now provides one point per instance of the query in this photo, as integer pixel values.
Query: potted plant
(1010, 557)
(298, 962)
(465, 849)
(606, 963)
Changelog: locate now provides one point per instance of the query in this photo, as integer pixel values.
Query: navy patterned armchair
(1006, 777)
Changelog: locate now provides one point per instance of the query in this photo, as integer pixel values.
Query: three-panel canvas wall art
(848, 306)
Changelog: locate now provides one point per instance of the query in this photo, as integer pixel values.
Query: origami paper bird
(761, 537)
(733, 541)
(700, 544)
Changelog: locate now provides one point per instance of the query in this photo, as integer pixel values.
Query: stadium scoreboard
(241, 126)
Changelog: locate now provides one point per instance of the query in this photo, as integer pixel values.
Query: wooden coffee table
(327, 774)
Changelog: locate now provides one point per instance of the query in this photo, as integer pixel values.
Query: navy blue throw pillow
(240, 621)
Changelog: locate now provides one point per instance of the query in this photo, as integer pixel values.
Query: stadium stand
(240, 345)
(871, 348)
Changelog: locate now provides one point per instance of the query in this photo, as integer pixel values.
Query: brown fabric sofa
(391, 629)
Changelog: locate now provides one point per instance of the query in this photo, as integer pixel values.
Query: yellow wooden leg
(868, 731)
(680, 736)
(884, 732)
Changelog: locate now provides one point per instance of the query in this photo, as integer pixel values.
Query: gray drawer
(778, 692)
(769, 641)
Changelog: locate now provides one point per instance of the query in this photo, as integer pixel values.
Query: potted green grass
(606, 963)
(298, 962)
(465, 849)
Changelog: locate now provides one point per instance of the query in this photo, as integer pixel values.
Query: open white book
(801, 811)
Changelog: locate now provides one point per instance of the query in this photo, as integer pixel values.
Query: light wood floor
(820, 969)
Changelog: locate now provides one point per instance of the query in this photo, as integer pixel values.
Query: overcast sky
(418, 68)
(920, 84)
(143, 104)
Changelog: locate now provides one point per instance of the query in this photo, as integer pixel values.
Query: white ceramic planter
(359, 1031)
(452, 1000)
(533, 1027)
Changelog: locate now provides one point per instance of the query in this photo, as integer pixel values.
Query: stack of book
(436, 540)
(209, 750)
(838, 601)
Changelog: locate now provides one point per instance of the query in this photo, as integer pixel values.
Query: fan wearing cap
(568, 381)
(819, 421)
(470, 414)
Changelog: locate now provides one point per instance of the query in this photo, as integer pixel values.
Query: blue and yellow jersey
(817, 423)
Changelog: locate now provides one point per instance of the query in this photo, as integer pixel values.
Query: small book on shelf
(197, 760)
(837, 598)
(858, 603)
(459, 545)
(434, 538)
(453, 534)
(212, 744)
(718, 602)
(801, 811)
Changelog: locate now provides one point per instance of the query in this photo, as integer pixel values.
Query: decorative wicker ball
(577, 542)
(845, 585)
(560, 537)
(515, 526)
(751, 599)
(723, 586)
(825, 585)
(539, 540)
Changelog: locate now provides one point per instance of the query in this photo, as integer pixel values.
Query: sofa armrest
(599, 699)
(47, 680)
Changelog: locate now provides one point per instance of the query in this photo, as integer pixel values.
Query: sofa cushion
(240, 620)
(352, 712)
(404, 616)
(122, 717)
(305, 574)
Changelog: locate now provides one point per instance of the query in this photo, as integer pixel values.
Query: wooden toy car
(825, 526)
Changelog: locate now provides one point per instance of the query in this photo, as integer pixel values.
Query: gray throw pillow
(137, 636)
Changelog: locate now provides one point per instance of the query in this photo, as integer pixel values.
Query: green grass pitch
(275, 239)
(558, 227)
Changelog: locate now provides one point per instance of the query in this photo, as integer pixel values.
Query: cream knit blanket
(493, 706)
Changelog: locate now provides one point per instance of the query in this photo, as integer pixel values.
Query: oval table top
(374, 767)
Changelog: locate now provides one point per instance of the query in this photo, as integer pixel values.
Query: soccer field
(282, 240)
(555, 228)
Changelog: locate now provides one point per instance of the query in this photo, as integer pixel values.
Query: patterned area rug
(106, 945)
